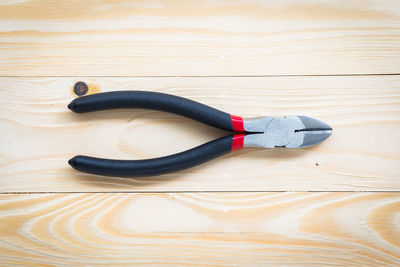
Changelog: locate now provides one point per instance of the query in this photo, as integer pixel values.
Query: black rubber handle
(147, 167)
(153, 100)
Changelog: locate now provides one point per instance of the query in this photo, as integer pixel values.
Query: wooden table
(334, 204)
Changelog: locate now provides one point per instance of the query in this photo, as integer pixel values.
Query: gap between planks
(183, 192)
(203, 76)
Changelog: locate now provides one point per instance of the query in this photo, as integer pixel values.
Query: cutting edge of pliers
(264, 132)
(288, 131)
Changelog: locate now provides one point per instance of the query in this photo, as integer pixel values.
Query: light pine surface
(153, 38)
(40, 134)
(312, 229)
(336, 204)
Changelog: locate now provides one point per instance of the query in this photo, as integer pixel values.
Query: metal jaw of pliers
(288, 131)
(265, 132)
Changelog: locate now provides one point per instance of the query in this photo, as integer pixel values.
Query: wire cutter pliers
(265, 132)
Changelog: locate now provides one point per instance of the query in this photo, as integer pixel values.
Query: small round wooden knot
(80, 88)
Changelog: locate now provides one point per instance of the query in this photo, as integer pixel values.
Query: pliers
(265, 132)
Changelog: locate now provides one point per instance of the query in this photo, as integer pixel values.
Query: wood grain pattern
(153, 38)
(39, 134)
(246, 57)
(308, 229)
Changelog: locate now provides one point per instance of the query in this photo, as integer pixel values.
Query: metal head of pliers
(288, 131)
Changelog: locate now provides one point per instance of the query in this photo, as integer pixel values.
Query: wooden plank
(246, 229)
(39, 134)
(153, 38)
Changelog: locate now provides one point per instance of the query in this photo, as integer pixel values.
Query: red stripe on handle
(237, 141)
(237, 124)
